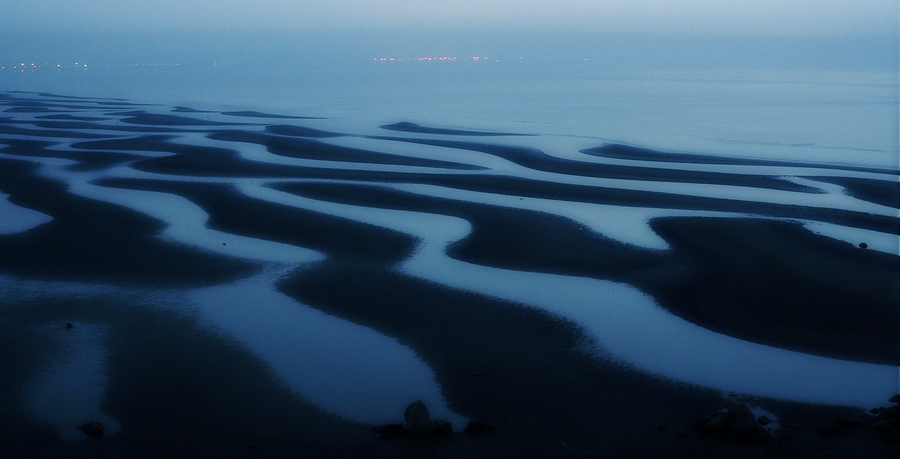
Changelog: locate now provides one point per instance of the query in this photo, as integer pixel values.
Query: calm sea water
(847, 117)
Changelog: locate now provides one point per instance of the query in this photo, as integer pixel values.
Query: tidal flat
(238, 283)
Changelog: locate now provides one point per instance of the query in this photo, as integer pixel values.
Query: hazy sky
(246, 31)
(742, 17)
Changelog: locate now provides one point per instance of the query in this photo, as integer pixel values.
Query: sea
(818, 110)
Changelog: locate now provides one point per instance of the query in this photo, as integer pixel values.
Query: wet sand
(181, 389)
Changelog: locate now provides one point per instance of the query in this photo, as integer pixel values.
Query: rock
(739, 414)
(388, 431)
(716, 424)
(895, 399)
(93, 429)
(863, 245)
(418, 421)
(750, 431)
(69, 325)
(764, 420)
(737, 424)
(828, 430)
(875, 410)
(479, 427)
(442, 428)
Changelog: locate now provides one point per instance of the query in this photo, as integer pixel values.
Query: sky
(120, 32)
(742, 17)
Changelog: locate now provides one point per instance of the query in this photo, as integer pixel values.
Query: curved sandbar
(624, 322)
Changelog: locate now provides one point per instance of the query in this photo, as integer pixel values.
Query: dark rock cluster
(884, 423)
(420, 424)
(888, 423)
(737, 424)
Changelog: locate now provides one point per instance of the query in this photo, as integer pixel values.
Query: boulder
(739, 414)
(93, 429)
(418, 421)
(750, 431)
(418, 424)
(738, 424)
(388, 431)
(895, 399)
(716, 424)
(442, 428)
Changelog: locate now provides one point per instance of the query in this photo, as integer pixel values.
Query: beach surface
(245, 284)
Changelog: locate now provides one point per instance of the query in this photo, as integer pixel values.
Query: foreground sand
(180, 388)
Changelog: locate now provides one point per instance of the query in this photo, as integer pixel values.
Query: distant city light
(434, 58)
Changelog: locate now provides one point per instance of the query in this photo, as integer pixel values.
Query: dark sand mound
(406, 126)
(254, 114)
(537, 160)
(644, 154)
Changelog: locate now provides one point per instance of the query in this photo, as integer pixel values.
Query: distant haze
(266, 34)
(757, 17)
